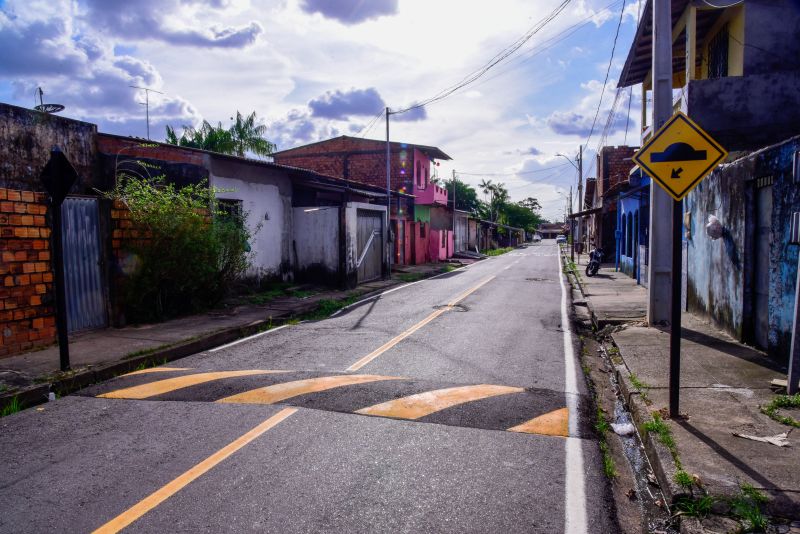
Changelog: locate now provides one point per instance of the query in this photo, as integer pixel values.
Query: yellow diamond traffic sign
(679, 155)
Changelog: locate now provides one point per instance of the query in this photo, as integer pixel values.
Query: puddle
(648, 493)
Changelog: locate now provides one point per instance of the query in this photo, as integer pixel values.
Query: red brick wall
(363, 168)
(614, 166)
(27, 314)
(128, 148)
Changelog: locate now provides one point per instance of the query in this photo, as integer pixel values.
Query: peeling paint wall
(721, 272)
(28, 136)
(316, 242)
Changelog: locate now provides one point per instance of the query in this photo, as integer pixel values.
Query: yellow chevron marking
(165, 492)
(422, 404)
(555, 423)
(157, 370)
(160, 387)
(287, 390)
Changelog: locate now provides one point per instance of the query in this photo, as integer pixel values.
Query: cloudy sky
(313, 69)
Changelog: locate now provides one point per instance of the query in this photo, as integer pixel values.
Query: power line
(512, 173)
(365, 130)
(608, 71)
(549, 43)
(499, 57)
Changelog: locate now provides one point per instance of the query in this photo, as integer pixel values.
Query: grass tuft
(10, 408)
(496, 251)
(783, 401)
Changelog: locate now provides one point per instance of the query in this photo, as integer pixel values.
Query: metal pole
(660, 202)
(794, 355)
(675, 322)
(147, 111)
(390, 246)
(61, 294)
(454, 210)
(580, 192)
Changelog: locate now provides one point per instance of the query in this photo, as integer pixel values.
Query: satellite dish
(46, 108)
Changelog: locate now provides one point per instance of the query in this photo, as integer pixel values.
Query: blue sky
(313, 69)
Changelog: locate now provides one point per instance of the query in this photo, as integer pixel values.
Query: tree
(486, 186)
(466, 196)
(249, 137)
(530, 203)
(242, 137)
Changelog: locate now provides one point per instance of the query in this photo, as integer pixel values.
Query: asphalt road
(454, 404)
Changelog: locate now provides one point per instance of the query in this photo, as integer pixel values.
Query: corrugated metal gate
(370, 245)
(86, 302)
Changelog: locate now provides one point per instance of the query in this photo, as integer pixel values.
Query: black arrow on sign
(676, 173)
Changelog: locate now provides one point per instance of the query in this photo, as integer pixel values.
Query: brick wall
(27, 313)
(331, 158)
(614, 166)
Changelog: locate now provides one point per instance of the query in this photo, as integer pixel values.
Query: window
(718, 54)
(230, 210)
(419, 173)
(629, 241)
(426, 177)
(422, 230)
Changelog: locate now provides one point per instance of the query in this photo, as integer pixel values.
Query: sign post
(679, 155)
(58, 178)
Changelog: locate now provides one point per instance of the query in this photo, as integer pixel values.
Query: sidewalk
(723, 385)
(102, 354)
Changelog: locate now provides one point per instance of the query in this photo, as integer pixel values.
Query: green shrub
(184, 253)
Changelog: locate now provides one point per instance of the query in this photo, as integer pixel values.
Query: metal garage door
(370, 245)
(86, 303)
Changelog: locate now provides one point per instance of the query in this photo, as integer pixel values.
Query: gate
(370, 245)
(86, 302)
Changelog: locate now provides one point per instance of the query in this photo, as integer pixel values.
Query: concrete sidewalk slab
(723, 385)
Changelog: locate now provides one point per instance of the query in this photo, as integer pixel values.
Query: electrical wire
(608, 71)
(365, 130)
(511, 173)
(499, 57)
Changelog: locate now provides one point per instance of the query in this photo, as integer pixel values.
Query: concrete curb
(38, 394)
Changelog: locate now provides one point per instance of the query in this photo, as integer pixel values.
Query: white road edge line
(248, 338)
(398, 288)
(575, 491)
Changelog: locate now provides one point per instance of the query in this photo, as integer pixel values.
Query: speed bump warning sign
(679, 155)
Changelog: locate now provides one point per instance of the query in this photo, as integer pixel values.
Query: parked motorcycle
(595, 257)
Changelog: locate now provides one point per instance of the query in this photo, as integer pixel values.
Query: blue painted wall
(720, 272)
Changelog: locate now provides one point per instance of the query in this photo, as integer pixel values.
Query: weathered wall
(720, 273)
(316, 241)
(28, 136)
(351, 240)
(771, 29)
(27, 313)
(745, 113)
(266, 196)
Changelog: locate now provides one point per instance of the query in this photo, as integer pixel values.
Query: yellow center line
(157, 370)
(159, 387)
(165, 492)
(400, 337)
(422, 404)
(287, 390)
(555, 423)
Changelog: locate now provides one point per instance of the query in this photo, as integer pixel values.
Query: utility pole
(664, 292)
(571, 228)
(454, 211)
(659, 289)
(146, 104)
(580, 191)
(388, 195)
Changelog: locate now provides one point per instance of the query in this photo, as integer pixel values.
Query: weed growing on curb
(602, 427)
(782, 401)
(747, 507)
(691, 507)
(640, 386)
(10, 408)
(325, 308)
(663, 433)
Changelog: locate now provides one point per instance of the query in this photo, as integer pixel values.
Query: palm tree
(486, 186)
(249, 137)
